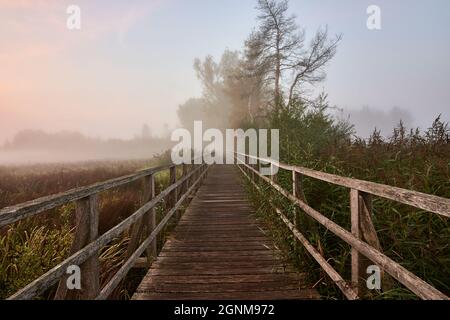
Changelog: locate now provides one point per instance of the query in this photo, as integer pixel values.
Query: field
(31, 247)
(409, 159)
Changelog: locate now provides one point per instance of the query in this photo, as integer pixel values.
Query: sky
(131, 62)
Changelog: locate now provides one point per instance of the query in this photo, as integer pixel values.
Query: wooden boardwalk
(220, 251)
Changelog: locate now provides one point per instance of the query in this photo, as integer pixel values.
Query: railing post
(86, 216)
(258, 167)
(183, 188)
(185, 183)
(253, 166)
(174, 194)
(297, 189)
(361, 227)
(273, 175)
(149, 194)
(92, 266)
(145, 224)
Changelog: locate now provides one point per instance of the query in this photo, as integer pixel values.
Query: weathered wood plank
(21, 211)
(416, 199)
(407, 278)
(53, 275)
(219, 250)
(86, 216)
(118, 277)
(303, 294)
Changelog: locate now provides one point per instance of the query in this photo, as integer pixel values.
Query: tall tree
(278, 39)
(280, 44)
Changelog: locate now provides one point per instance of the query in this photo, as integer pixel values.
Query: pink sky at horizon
(55, 79)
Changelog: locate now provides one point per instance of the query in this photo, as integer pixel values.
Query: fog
(131, 62)
(36, 146)
(367, 119)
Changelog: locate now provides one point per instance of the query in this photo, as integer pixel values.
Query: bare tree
(278, 38)
(280, 44)
(309, 65)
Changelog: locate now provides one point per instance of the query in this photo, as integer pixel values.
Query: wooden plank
(407, 278)
(231, 253)
(90, 269)
(332, 273)
(118, 277)
(219, 258)
(362, 227)
(53, 275)
(304, 294)
(219, 249)
(21, 211)
(173, 196)
(149, 188)
(221, 287)
(416, 199)
(86, 219)
(294, 277)
(355, 255)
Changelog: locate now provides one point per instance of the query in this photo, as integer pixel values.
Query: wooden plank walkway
(220, 251)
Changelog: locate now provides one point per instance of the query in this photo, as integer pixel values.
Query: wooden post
(174, 194)
(183, 188)
(149, 194)
(362, 227)
(273, 176)
(146, 223)
(185, 183)
(86, 216)
(296, 191)
(252, 172)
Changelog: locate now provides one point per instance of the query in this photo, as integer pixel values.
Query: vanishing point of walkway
(220, 251)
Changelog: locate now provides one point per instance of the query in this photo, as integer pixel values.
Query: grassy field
(32, 246)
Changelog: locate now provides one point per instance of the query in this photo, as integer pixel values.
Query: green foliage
(27, 251)
(311, 138)
(33, 246)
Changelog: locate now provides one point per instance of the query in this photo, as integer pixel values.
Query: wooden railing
(87, 244)
(363, 237)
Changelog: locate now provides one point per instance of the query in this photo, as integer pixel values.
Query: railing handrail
(411, 281)
(54, 275)
(23, 210)
(424, 201)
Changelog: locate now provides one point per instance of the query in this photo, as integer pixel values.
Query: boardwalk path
(219, 251)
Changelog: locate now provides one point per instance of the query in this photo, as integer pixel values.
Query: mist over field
(133, 63)
(349, 99)
(36, 146)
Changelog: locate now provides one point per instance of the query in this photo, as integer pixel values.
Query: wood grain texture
(52, 276)
(421, 288)
(220, 251)
(21, 211)
(416, 199)
(86, 215)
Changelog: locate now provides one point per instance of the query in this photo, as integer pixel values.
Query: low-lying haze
(131, 62)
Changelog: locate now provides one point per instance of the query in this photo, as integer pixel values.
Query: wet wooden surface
(220, 251)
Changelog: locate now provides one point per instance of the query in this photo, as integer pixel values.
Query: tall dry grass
(32, 246)
(411, 159)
